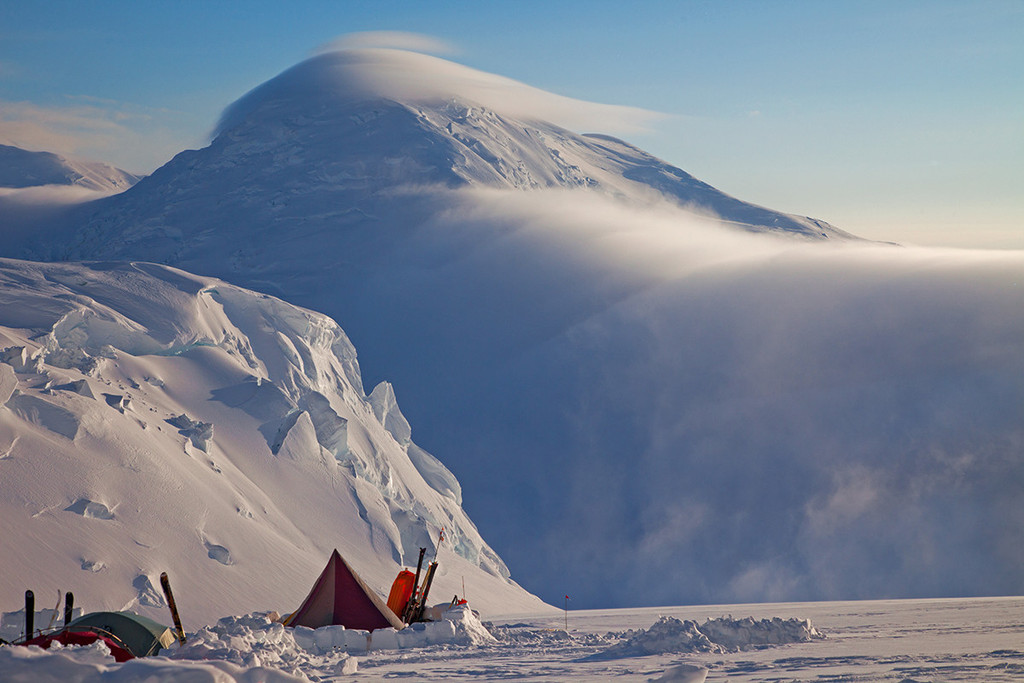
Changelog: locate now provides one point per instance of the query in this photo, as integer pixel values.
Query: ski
(165, 583)
(30, 614)
(69, 607)
(410, 607)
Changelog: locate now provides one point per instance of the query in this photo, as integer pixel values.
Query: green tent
(139, 635)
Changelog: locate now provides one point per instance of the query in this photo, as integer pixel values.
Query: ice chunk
(385, 407)
(45, 414)
(79, 386)
(299, 442)
(331, 428)
(148, 595)
(90, 509)
(19, 358)
(199, 433)
(117, 401)
(438, 477)
(433, 471)
(8, 383)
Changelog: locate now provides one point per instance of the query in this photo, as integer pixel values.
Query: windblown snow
(154, 421)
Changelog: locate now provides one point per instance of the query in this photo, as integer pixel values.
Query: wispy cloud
(135, 138)
(772, 419)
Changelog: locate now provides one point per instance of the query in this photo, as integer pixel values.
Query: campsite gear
(339, 596)
(69, 607)
(30, 613)
(165, 583)
(440, 540)
(116, 648)
(401, 592)
(137, 634)
(417, 610)
(55, 612)
(427, 581)
(409, 606)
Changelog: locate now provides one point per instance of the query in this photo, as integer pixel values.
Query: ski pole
(56, 611)
(440, 540)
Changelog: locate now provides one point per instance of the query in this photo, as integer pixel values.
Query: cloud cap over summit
(352, 75)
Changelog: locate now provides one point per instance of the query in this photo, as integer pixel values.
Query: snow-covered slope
(20, 168)
(151, 420)
(322, 149)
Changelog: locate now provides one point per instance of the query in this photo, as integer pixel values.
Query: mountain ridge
(21, 168)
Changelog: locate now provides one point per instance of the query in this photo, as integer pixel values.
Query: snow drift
(153, 420)
(722, 634)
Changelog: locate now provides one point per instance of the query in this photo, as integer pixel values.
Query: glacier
(153, 421)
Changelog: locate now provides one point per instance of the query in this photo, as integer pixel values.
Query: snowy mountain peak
(21, 168)
(340, 78)
(377, 119)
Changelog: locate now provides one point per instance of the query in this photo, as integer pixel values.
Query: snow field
(954, 641)
(255, 643)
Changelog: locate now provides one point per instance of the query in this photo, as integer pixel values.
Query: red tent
(120, 653)
(339, 596)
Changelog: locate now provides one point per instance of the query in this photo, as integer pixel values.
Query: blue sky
(893, 120)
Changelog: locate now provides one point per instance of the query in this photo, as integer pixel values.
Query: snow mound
(748, 633)
(683, 673)
(94, 664)
(259, 640)
(725, 634)
(254, 640)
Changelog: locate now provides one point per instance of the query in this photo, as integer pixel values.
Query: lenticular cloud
(365, 73)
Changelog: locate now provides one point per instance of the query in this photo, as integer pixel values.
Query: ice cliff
(153, 420)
